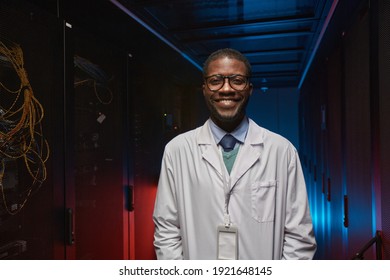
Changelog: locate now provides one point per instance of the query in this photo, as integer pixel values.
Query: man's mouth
(226, 102)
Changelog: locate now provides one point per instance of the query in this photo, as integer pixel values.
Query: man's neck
(228, 126)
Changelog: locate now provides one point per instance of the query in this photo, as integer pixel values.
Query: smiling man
(231, 189)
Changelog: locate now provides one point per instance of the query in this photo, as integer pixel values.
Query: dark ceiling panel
(277, 36)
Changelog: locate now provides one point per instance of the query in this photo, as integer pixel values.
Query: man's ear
(251, 88)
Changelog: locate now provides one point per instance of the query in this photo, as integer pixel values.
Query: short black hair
(230, 53)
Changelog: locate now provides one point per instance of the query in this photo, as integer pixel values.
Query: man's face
(227, 105)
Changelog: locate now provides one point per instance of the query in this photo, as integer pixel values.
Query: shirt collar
(239, 133)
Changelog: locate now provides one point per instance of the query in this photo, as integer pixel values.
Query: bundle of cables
(97, 78)
(21, 137)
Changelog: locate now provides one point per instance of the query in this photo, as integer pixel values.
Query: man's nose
(226, 86)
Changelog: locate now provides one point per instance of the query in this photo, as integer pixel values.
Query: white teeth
(226, 102)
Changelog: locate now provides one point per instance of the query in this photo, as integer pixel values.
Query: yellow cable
(20, 142)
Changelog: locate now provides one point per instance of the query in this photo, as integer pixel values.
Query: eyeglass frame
(224, 79)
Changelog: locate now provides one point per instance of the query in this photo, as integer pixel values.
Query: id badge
(227, 243)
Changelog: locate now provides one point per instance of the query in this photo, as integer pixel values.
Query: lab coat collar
(210, 152)
(205, 136)
(255, 135)
(249, 151)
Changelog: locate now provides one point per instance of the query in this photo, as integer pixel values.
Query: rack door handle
(70, 229)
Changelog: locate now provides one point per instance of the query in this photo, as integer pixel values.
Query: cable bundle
(21, 135)
(97, 79)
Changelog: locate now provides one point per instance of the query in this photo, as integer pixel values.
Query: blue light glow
(154, 32)
(309, 62)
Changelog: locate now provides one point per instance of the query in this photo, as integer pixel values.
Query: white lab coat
(268, 205)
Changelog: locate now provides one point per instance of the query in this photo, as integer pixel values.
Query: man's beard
(227, 118)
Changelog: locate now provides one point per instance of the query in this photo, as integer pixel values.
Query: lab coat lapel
(249, 152)
(209, 149)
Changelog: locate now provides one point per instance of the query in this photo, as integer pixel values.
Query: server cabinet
(65, 151)
(31, 98)
(97, 205)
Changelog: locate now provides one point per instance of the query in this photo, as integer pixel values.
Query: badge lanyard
(227, 192)
(227, 234)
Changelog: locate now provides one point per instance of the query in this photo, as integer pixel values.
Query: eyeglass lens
(216, 82)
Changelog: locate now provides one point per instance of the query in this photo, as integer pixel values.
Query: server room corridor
(91, 91)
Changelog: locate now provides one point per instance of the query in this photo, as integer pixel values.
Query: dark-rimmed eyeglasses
(236, 82)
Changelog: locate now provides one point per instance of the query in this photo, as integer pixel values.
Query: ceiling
(279, 37)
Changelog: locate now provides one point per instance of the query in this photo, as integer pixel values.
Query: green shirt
(230, 157)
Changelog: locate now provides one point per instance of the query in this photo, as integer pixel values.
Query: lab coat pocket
(263, 201)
